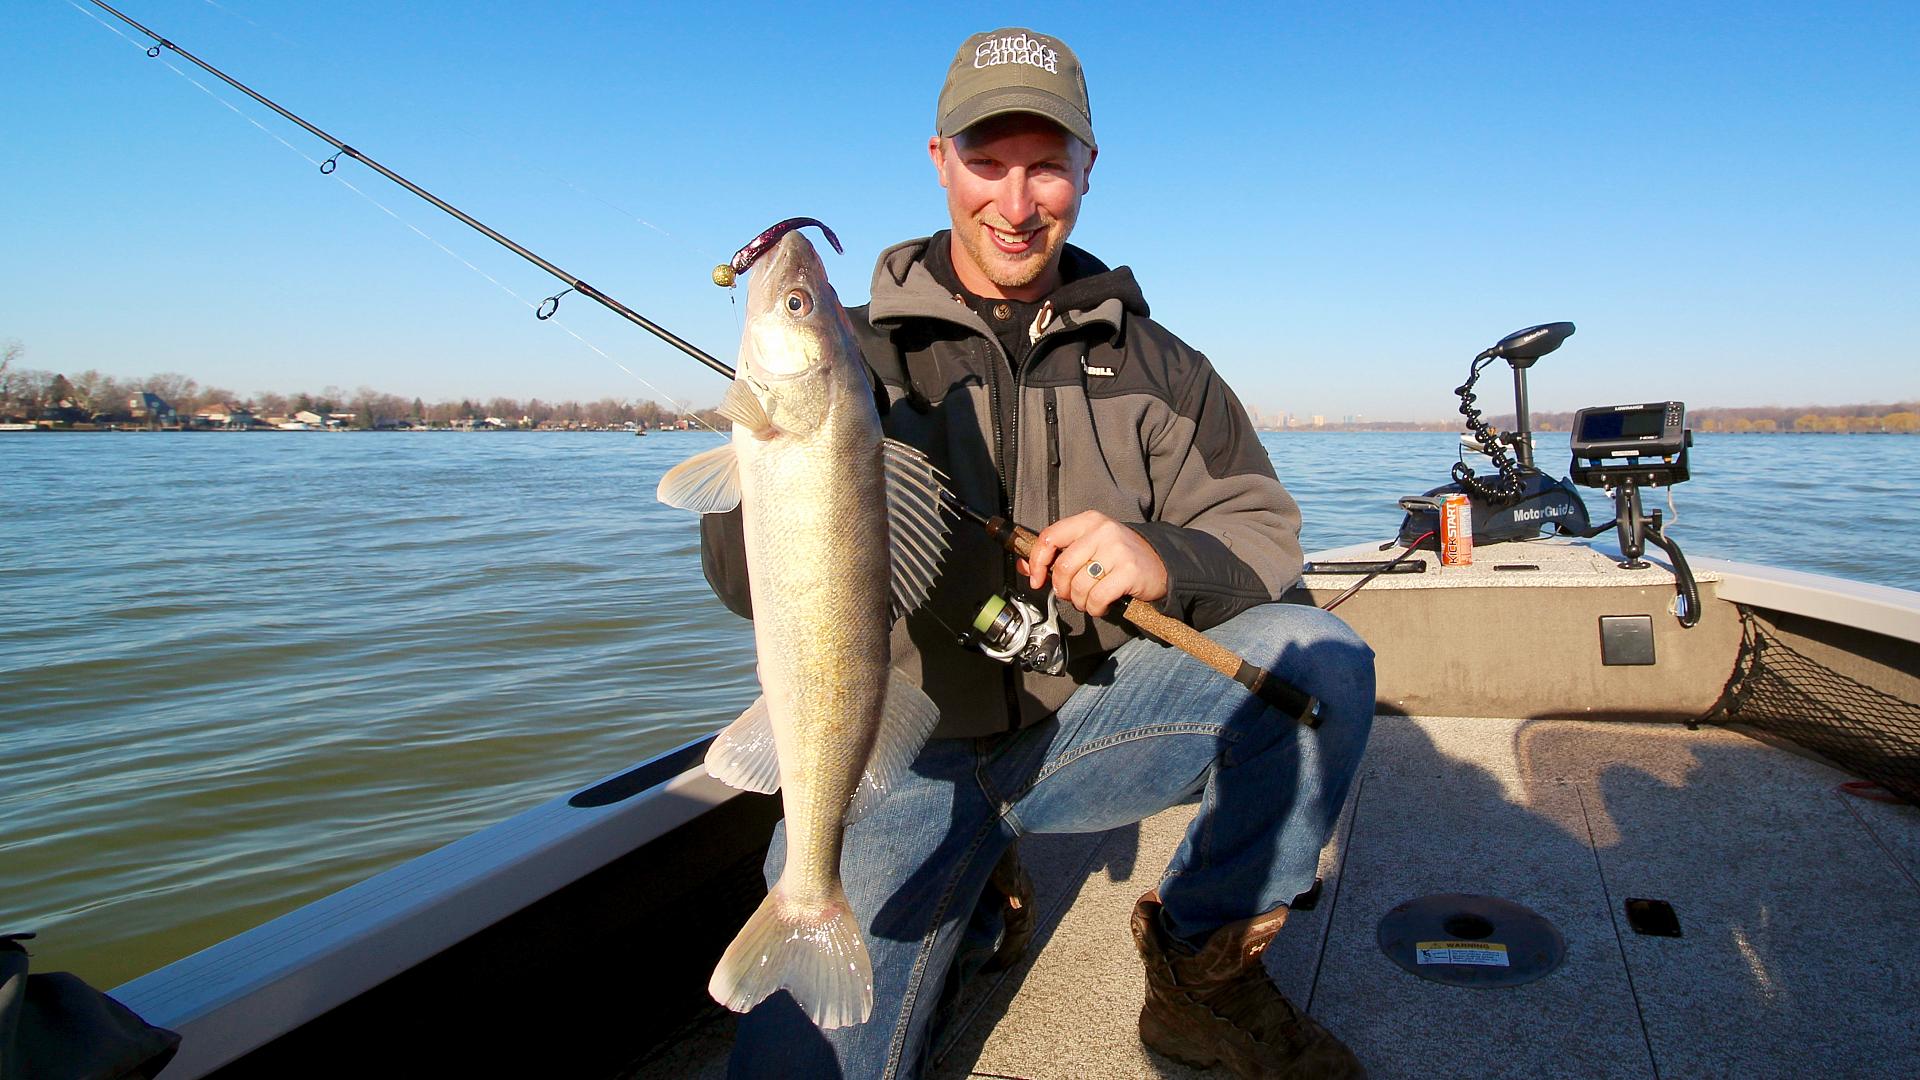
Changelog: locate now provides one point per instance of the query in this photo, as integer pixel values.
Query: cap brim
(1017, 99)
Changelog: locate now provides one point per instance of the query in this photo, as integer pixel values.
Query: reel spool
(1013, 631)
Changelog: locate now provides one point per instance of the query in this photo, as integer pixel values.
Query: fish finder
(1624, 448)
(1647, 442)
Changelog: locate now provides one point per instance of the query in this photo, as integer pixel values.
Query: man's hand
(1070, 548)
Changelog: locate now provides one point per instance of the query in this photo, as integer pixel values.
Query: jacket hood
(904, 288)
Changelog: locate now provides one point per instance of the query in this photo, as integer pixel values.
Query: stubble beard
(997, 267)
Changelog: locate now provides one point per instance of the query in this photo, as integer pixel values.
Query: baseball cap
(1013, 70)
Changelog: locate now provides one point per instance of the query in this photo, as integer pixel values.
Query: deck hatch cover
(1626, 639)
(1464, 940)
(1655, 918)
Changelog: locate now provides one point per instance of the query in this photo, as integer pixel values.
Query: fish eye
(799, 302)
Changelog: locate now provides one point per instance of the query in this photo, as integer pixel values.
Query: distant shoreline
(1328, 429)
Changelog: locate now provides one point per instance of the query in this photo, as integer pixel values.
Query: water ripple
(240, 673)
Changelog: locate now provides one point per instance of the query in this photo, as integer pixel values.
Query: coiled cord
(1511, 484)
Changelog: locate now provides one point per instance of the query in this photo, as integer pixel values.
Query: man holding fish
(1030, 376)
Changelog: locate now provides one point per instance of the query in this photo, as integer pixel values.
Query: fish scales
(814, 479)
(820, 623)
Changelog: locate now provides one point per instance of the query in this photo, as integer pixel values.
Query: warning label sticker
(1480, 953)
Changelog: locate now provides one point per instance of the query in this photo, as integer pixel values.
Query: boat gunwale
(241, 993)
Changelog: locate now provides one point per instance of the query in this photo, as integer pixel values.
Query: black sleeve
(723, 556)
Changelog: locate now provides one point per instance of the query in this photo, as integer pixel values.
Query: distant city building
(1319, 421)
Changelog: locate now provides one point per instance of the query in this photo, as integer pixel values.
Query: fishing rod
(1017, 539)
(546, 308)
(1260, 682)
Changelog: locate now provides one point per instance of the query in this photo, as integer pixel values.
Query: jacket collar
(903, 288)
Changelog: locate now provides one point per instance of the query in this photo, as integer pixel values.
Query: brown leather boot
(1217, 1006)
(1015, 889)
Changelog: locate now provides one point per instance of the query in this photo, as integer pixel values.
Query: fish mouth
(763, 377)
(792, 261)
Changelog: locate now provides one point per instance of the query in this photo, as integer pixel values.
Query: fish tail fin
(815, 951)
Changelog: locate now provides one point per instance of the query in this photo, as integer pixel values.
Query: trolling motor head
(1522, 347)
(1524, 500)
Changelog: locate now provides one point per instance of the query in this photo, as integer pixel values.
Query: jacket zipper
(1053, 458)
(1006, 438)
(997, 366)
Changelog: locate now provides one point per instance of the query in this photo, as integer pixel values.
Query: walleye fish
(834, 727)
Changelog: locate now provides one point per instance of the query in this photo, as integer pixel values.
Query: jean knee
(1272, 630)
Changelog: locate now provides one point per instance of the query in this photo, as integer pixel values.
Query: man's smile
(1014, 242)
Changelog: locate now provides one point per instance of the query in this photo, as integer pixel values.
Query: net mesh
(1778, 689)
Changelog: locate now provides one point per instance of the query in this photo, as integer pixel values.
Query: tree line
(1899, 418)
(92, 396)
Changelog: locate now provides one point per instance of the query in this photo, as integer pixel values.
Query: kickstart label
(1473, 953)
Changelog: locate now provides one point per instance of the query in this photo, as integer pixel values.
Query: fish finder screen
(1632, 424)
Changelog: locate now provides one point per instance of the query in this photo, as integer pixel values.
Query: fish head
(797, 353)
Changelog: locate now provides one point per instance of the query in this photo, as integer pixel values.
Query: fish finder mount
(1622, 449)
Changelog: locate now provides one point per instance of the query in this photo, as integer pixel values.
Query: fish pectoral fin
(743, 755)
(916, 524)
(740, 406)
(706, 483)
(907, 719)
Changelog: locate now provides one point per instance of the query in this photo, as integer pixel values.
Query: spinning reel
(1012, 630)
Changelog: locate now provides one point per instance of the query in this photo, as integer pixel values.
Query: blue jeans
(1149, 730)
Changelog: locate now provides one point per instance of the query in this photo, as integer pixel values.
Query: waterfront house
(151, 409)
(225, 415)
(310, 418)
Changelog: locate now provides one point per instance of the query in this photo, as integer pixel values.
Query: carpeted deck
(1799, 908)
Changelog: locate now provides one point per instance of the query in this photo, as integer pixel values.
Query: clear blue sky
(1339, 205)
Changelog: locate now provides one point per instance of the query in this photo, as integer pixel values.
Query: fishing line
(1289, 699)
(497, 148)
(417, 230)
(573, 284)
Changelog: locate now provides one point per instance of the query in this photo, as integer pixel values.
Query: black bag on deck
(56, 1027)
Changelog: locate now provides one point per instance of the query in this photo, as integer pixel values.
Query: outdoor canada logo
(1018, 49)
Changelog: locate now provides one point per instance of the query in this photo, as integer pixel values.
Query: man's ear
(934, 151)
(1086, 174)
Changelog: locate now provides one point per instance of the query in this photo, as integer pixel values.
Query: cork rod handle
(1277, 693)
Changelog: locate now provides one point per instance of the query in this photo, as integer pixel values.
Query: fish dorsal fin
(908, 718)
(706, 483)
(916, 525)
(740, 406)
(743, 755)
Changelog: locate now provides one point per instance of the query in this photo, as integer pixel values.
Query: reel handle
(1275, 691)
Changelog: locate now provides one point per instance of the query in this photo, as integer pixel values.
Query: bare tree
(174, 388)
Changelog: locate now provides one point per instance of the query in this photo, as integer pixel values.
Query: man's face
(1013, 185)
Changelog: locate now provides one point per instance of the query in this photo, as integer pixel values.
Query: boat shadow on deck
(1797, 905)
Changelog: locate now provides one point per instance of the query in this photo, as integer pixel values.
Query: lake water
(239, 672)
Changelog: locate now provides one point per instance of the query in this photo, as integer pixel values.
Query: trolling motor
(1523, 500)
(1623, 448)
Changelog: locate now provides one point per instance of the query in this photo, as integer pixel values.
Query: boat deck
(1799, 908)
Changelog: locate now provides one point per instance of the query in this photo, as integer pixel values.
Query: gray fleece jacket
(1107, 412)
